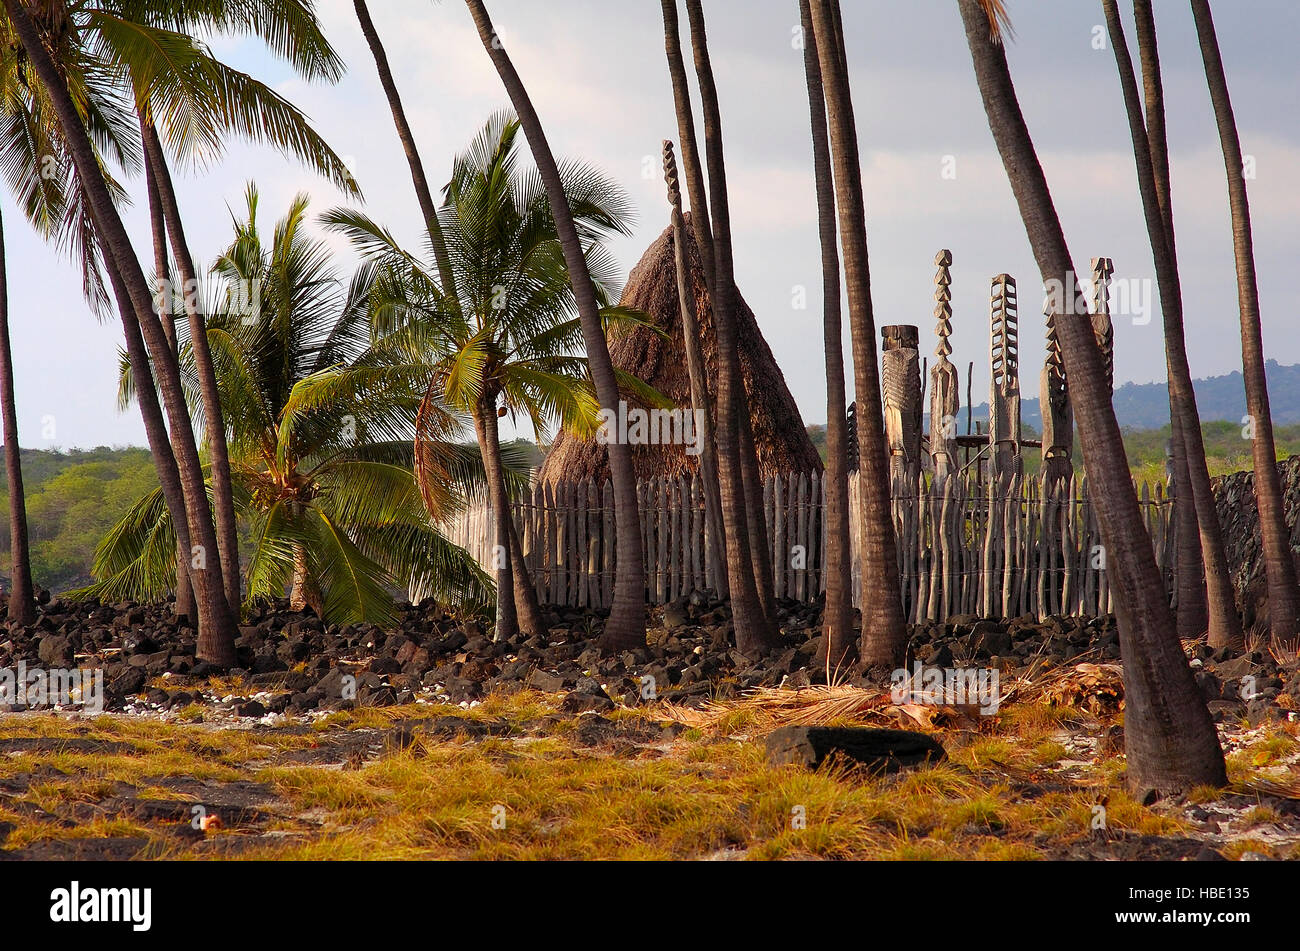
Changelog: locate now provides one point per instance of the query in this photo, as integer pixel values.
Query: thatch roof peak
(779, 435)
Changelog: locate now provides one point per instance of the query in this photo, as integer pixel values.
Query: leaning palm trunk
(184, 606)
(216, 642)
(1169, 737)
(215, 425)
(1204, 601)
(1279, 564)
(837, 619)
(423, 194)
(626, 626)
(22, 604)
(884, 632)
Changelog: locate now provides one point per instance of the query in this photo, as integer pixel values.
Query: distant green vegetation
(1226, 449)
(73, 498)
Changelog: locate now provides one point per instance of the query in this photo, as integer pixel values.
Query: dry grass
(1023, 784)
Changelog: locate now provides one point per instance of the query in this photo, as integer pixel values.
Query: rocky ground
(326, 730)
(292, 663)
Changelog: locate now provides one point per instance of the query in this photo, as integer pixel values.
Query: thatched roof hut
(779, 435)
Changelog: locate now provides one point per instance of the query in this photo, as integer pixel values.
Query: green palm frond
(354, 586)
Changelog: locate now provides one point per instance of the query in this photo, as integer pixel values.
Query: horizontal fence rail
(965, 548)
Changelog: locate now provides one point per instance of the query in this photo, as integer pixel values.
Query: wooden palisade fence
(963, 549)
(975, 536)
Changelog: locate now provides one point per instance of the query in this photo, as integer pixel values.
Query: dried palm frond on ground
(770, 707)
(1284, 788)
(1096, 688)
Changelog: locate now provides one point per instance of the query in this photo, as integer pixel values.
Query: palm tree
(1279, 563)
(1170, 739)
(884, 633)
(837, 617)
(25, 135)
(510, 339)
(1196, 499)
(145, 50)
(627, 623)
(321, 435)
(201, 99)
(141, 325)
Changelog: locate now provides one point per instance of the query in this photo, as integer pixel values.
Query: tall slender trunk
(160, 445)
(626, 626)
(22, 603)
(216, 641)
(696, 370)
(485, 428)
(527, 610)
(837, 618)
(1204, 600)
(423, 194)
(1190, 586)
(747, 553)
(184, 606)
(1279, 563)
(699, 219)
(1169, 737)
(215, 424)
(884, 631)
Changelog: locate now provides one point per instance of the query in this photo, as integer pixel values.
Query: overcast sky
(595, 69)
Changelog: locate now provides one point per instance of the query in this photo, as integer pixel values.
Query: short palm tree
(508, 339)
(321, 447)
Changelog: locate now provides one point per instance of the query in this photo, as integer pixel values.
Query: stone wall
(1235, 497)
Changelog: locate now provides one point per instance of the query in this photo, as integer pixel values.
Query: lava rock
(878, 750)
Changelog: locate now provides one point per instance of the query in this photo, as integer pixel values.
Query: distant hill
(1146, 405)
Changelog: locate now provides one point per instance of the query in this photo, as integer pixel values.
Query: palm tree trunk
(184, 606)
(160, 446)
(748, 559)
(626, 626)
(884, 631)
(837, 618)
(422, 192)
(703, 232)
(724, 296)
(485, 417)
(1170, 739)
(1191, 589)
(698, 372)
(1279, 564)
(22, 603)
(528, 611)
(216, 642)
(1205, 597)
(215, 425)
